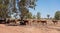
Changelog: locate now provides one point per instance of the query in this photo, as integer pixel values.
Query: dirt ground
(29, 29)
(34, 28)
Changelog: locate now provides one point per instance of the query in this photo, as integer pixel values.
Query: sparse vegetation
(57, 15)
(38, 15)
(48, 16)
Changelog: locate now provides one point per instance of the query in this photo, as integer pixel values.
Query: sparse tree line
(30, 16)
(38, 16)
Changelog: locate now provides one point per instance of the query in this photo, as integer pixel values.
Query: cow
(2, 21)
(43, 22)
(7, 20)
(24, 22)
(33, 20)
(38, 21)
(10, 21)
(55, 21)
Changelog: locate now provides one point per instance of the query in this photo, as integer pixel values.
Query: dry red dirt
(29, 29)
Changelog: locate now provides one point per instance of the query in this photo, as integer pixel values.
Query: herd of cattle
(7, 21)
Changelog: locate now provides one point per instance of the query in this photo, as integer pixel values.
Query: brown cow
(24, 22)
(34, 21)
(2, 20)
(55, 21)
(10, 21)
(38, 21)
(43, 22)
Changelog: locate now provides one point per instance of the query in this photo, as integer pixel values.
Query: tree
(34, 17)
(38, 15)
(3, 8)
(48, 16)
(29, 15)
(24, 5)
(12, 7)
(57, 15)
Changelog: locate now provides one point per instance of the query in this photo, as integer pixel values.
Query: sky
(46, 7)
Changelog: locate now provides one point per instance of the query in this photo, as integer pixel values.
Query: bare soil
(29, 29)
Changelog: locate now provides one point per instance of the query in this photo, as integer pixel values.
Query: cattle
(55, 21)
(2, 21)
(33, 20)
(43, 22)
(10, 21)
(38, 21)
(7, 21)
(17, 21)
(24, 22)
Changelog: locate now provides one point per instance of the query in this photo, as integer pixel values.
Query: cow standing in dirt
(24, 22)
(55, 21)
(3, 21)
(10, 21)
(38, 21)
(43, 22)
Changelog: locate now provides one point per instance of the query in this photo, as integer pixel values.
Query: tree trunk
(22, 21)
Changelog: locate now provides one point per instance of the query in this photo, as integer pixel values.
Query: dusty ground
(29, 29)
(35, 28)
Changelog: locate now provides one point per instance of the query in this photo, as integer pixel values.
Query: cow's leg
(42, 23)
(46, 23)
(54, 22)
(22, 23)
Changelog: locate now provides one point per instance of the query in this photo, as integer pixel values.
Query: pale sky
(46, 7)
